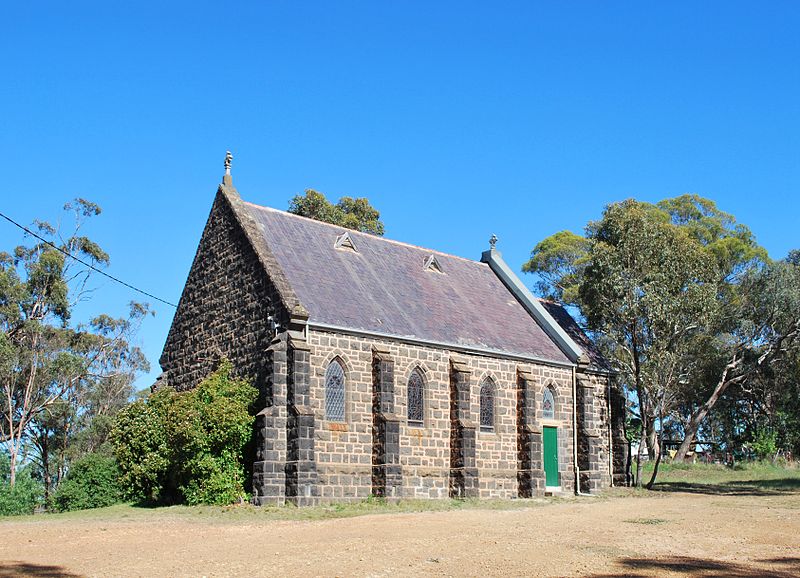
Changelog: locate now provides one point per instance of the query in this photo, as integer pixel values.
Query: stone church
(391, 370)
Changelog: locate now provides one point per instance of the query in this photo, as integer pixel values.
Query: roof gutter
(437, 344)
(571, 349)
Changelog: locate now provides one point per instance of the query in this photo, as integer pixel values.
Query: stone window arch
(548, 403)
(487, 404)
(335, 391)
(415, 395)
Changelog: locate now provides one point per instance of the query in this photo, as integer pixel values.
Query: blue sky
(456, 119)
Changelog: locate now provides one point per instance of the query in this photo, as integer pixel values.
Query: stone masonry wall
(593, 432)
(344, 450)
(223, 310)
(618, 439)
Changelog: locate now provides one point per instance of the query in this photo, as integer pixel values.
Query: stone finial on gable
(227, 180)
(493, 241)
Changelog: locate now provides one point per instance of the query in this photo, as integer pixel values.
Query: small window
(345, 241)
(548, 404)
(334, 392)
(432, 264)
(487, 405)
(416, 399)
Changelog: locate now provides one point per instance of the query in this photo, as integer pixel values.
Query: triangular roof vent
(432, 264)
(344, 241)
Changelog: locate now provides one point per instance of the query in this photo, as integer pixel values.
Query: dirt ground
(669, 534)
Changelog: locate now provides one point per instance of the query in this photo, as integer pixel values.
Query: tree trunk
(13, 478)
(629, 467)
(46, 467)
(688, 436)
(652, 481)
(653, 447)
(658, 455)
(690, 432)
(642, 438)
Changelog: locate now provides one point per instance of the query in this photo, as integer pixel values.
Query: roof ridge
(378, 237)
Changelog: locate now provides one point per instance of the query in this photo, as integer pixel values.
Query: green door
(550, 451)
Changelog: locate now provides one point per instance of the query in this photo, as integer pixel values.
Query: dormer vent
(344, 241)
(432, 264)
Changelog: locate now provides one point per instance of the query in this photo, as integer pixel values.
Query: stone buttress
(387, 473)
(463, 470)
(301, 465)
(530, 474)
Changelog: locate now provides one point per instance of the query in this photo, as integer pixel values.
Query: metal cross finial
(228, 159)
(493, 241)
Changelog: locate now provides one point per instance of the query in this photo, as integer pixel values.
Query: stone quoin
(351, 338)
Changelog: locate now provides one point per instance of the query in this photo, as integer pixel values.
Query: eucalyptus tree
(45, 359)
(758, 328)
(655, 281)
(80, 420)
(350, 213)
(647, 287)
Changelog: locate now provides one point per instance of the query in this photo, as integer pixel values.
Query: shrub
(92, 482)
(765, 444)
(142, 447)
(187, 447)
(26, 494)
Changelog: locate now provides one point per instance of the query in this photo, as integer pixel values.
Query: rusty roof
(384, 287)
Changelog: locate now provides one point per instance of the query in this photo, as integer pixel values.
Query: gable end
(226, 308)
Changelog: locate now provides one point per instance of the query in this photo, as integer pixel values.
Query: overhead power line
(84, 263)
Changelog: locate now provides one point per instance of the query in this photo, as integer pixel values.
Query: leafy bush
(92, 482)
(26, 494)
(187, 447)
(765, 444)
(141, 442)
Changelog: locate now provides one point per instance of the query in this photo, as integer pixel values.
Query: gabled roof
(571, 327)
(383, 287)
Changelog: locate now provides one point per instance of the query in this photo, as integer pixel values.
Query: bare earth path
(677, 534)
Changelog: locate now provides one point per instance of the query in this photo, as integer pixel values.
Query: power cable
(84, 263)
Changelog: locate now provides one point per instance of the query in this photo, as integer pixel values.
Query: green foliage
(559, 261)
(187, 447)
(57, 376)
(350, 213)
(92, 482)
(765, 444)
(690, 309)
(24, 496)
(141, 437)
(648, 287)
(732, 244)
(646, 280)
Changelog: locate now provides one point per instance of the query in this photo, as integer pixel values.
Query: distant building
(391, 370)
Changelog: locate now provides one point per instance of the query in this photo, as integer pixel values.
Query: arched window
(487, 405)
(334, 391)
(548, 404)
(416, 399)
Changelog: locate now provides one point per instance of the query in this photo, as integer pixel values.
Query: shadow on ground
(787, 567)
(8, 569)
(776, 487)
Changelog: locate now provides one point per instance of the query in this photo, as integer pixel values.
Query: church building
(387, 369)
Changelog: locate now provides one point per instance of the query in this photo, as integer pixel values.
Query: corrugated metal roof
(383, 287)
